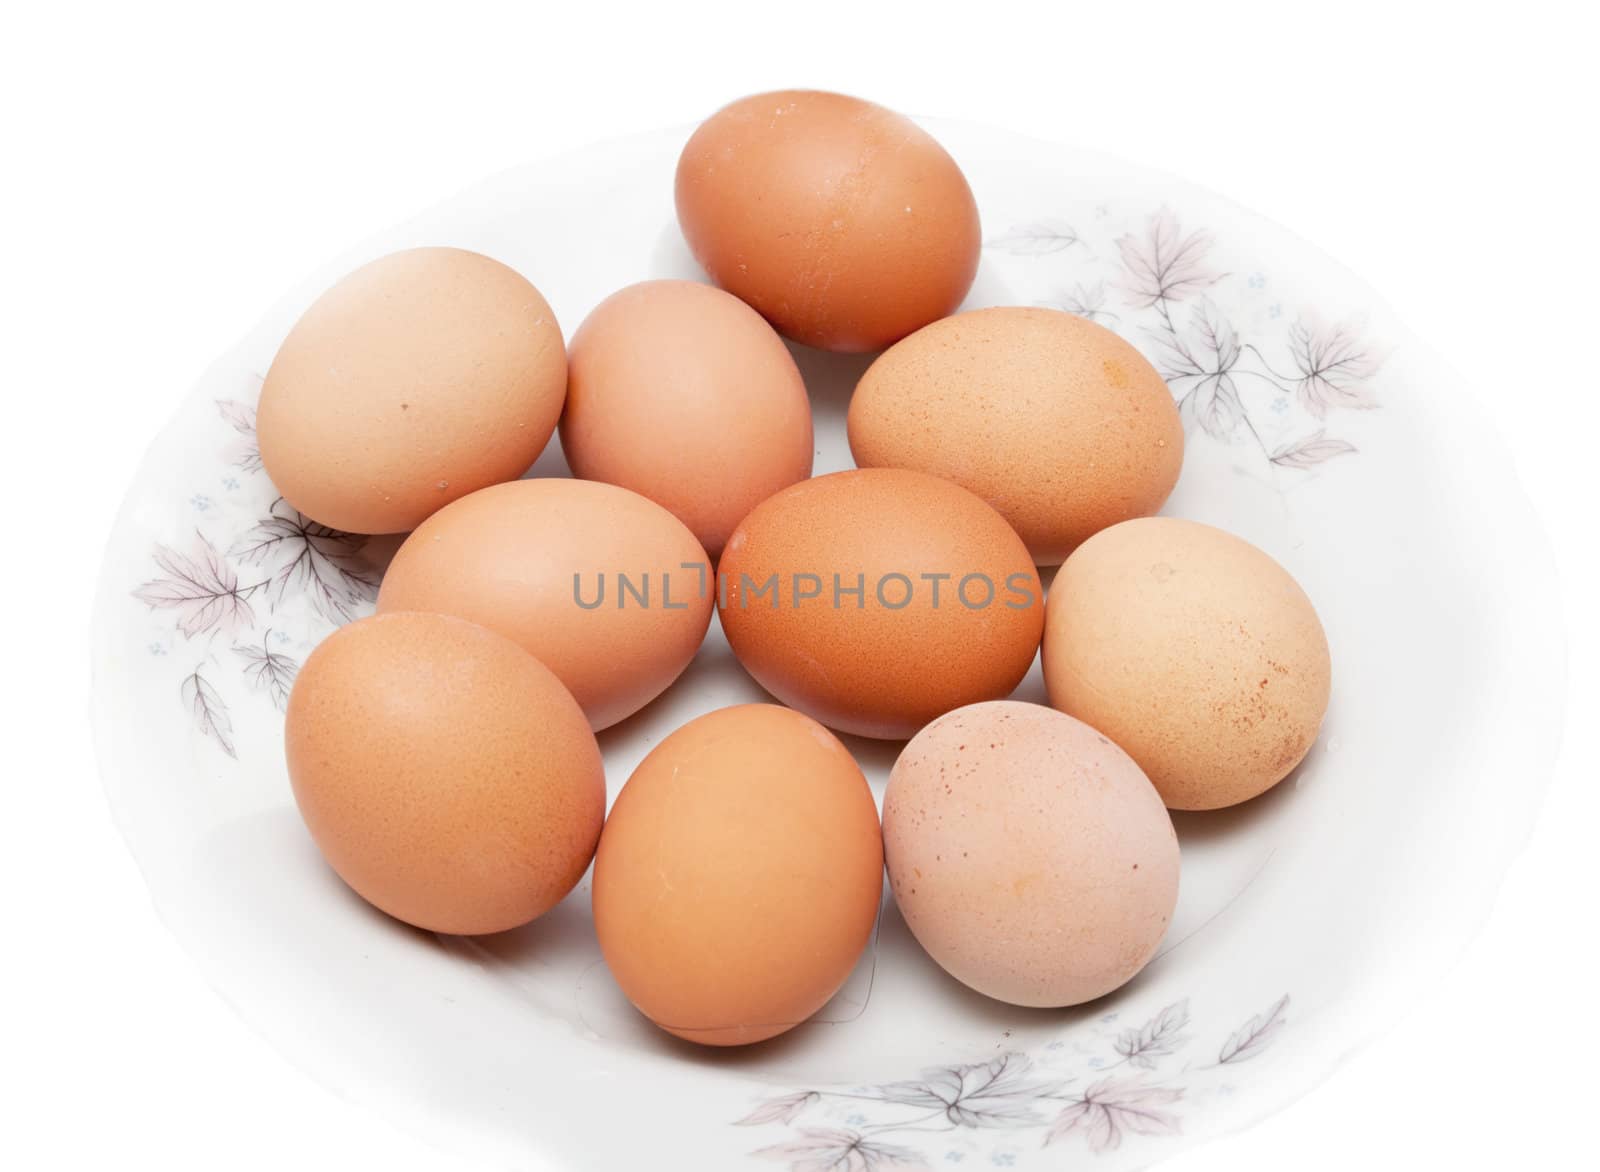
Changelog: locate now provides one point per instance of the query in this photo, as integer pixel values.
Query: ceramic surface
(1317, 428)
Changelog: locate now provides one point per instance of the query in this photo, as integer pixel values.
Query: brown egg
(878, 599)
(681, 392)
(844, 224)
(415, 380)
(605, 588)
(1055, 421)
(446, 775)
(1194, 651)
(739, 875)
(1028, 854)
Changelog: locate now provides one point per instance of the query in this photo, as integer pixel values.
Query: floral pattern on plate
(1096, 1095)
(235, 587)
(1162, 280)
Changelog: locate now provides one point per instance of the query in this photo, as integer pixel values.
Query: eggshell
(912, 646)
(682, 392)
(415, 380)
(1028, 854)
(445, 773)
(1055, 421)
(739, 875)
(1194, 651)
(605, 588)
(844, 224)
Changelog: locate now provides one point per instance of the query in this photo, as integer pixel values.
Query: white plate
(1307, 918)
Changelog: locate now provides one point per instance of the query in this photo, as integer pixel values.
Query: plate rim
(117, 773)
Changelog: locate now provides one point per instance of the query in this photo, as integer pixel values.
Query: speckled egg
(1057, 422)
(445, 773)
(878, 599)
(418, 378)
(739, 875)
(1029, 855)
(605, 588)
(1194, 651)
(683, 393)
(844, 224)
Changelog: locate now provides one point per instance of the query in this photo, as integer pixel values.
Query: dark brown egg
(844, 224)
(878, 599)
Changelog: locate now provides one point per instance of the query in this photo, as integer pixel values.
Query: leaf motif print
(208, 711)
(1109, 1110)
(269, 671)
(828, 1149)
(1334, 366)
(781, 1110)
(1310, 452)
(1165, 264)
(1255, 1035)
(202, 588)
(1038, 238)
(1157, 1038)
(304, 555)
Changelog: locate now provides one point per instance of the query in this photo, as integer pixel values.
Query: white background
(174, 168)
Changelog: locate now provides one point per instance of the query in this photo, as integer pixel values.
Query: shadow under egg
(563, 933)
(1197, 827)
